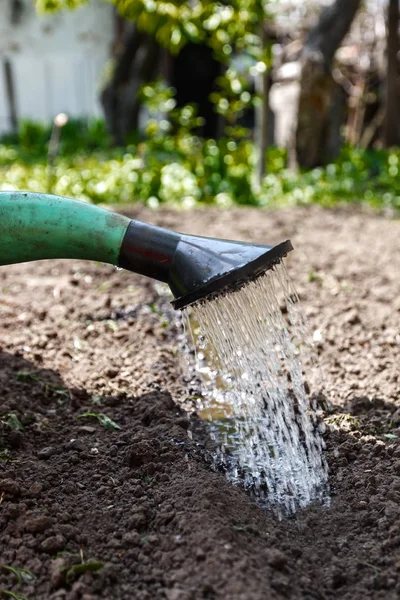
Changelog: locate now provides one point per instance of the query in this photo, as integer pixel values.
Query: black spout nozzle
(194, 266)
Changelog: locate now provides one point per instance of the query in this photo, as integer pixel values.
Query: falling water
(263, 422)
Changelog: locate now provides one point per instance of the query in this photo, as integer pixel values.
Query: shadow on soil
(141, 500)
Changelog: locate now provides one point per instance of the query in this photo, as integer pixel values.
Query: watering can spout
(194, 266)
(39, 226)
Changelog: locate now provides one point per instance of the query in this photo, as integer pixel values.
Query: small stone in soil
(57, 572)
(87, 429)
(35, 489)
(53, 544)
(131, 538)
(37, 524)
(178, 594)
(46, 453)
(277, 559)
(76, 444)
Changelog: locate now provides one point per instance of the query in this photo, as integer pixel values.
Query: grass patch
(182, 169)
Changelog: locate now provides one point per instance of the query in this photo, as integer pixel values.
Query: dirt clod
(53, 544)
(37, 524)
(46, 453)
(277, 559)
(10, 488)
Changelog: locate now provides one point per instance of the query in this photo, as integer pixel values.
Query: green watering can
(41, 226)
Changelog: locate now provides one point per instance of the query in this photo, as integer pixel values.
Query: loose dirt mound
(94, 511)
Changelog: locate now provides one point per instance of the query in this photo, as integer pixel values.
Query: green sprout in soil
(77, 566)
(5, 455)
(145, 540)
(32, 376)
(147, 479)
(14, 595)
(87, 567)
(315, 276)
(239, 527)
(97, 400)
(12, 421)
(102, 419)
(154, 308)
(344, 421)
(22, 575)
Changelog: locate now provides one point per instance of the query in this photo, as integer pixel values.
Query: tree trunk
(392, 127)
(263, 86)
(136, 63)
(10, 92)
(113, 95)
(317, 121)
(145, 70)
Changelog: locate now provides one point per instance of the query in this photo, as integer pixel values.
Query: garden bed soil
(142, 504)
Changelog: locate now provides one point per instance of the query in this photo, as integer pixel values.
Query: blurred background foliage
(183, 169)
(345, 131)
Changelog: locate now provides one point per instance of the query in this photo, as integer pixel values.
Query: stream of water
(251, 344)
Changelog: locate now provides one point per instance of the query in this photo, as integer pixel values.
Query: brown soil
(143, 500)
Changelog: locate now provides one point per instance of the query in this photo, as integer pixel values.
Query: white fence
(57, 62)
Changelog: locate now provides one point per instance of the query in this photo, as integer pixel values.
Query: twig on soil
(367, 564)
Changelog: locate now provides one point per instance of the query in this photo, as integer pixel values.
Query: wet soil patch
(126, 504)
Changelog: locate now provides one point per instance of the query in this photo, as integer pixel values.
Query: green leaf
(25, 376)
(12, 421)
(102, 419)
(390, 436)
(89, 567)
(239, 527)
(97, 400)
(22, 575)
(13, 595)
(108, 423)
(5, 455)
